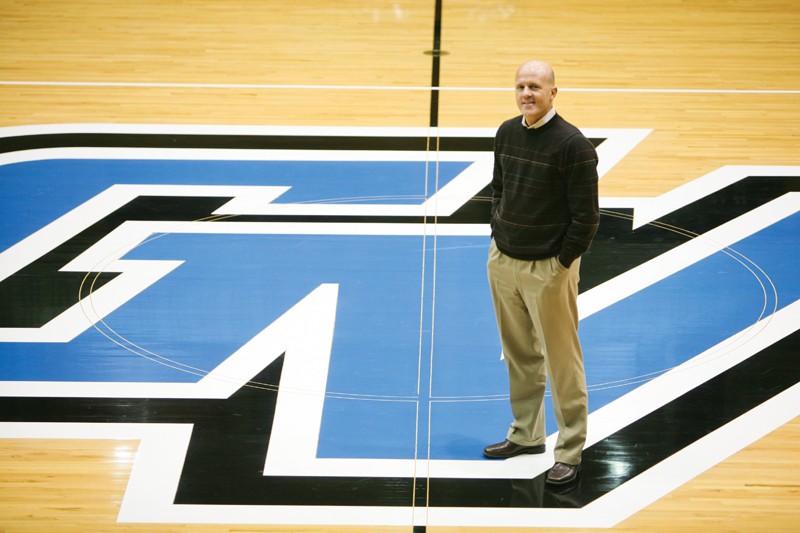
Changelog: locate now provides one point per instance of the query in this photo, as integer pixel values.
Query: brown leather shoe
(506, 449)
(562, 473)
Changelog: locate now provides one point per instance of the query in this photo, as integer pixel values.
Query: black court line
(243, 142)
(436, 52)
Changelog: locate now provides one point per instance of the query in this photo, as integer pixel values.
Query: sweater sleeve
(497, 181)
(580, 172)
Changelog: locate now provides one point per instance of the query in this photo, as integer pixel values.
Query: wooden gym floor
(717, 82)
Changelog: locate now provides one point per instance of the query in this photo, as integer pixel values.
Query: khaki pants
(537, 316)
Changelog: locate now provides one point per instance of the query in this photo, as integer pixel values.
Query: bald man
(544, 216)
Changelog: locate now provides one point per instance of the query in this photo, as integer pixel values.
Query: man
(544, 216)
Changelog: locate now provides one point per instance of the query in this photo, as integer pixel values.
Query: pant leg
(522, 349)
(553, 305)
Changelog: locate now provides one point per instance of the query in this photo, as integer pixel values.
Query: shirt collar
(542, 121)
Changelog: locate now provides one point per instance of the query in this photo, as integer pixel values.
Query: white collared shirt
(542, 121)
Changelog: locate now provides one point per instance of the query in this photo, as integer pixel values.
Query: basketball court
(243, 266)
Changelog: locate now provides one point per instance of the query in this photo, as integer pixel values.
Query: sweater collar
(542, 121)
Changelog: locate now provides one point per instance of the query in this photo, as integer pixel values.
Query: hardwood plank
(316, 42)
(704, 44)
(28, 105)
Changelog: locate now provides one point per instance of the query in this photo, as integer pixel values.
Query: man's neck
(541, 121)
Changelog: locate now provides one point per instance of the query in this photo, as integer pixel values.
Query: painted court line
(268, 86)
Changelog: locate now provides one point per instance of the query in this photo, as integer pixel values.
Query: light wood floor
(717, 81)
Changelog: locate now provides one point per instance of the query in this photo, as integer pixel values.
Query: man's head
(535, 88)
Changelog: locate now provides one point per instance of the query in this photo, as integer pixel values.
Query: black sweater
(544, 191)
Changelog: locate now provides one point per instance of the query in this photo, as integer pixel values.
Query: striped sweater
(544, 191)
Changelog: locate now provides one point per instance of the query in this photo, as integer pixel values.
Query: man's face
(535, 93)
